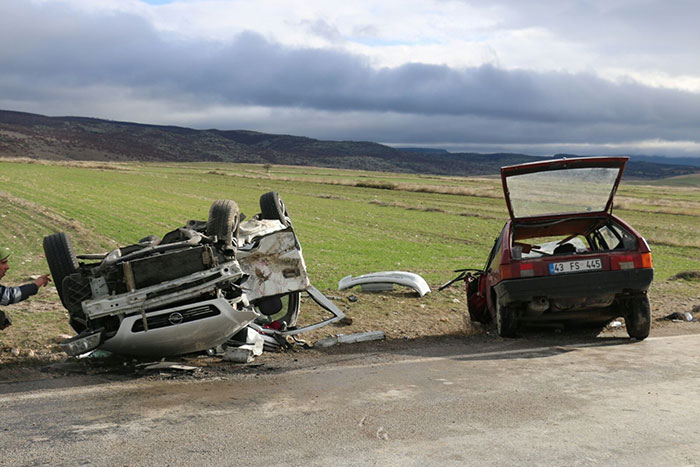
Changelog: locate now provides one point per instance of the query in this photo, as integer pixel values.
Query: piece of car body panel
(272, 261)
(251, 229)
(179, 330)
(407, 279)
(322, 301)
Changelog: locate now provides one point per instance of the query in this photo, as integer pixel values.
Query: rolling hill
(80, 138)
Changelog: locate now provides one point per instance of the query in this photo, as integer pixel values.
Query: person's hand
(42, 280)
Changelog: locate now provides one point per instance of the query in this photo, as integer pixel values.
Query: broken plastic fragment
(247, 352)
(384, 281)
(167, 366)
(350, 338)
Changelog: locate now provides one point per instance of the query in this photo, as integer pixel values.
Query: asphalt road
(499, 402)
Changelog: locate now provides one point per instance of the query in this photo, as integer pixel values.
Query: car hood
(561, 187)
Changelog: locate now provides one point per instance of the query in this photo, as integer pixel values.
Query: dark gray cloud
(65, 63)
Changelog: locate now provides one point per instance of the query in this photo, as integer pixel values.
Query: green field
(425, 224)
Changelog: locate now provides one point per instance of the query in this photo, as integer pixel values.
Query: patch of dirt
(686, 276)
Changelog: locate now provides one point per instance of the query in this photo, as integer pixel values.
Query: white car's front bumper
(179, 330)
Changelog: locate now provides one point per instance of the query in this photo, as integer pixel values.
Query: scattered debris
(615, 324)
(273, 343)
(350, 338)
(242, 354)
(97, 354)
(678, 316)
(347, 321)
(246, 352)
(163, 365)
(384, 281)
(352, 299)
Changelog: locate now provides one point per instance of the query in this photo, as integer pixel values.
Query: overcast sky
(540, 77)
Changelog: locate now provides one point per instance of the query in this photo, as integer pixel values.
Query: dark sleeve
(10, 295)
(29, 289)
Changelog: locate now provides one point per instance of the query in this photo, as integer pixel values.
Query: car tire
(506, 321)
(272, 207)
(223, 221)
(61, 257)
(638, 318)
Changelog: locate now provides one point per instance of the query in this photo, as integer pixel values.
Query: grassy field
(349, 222)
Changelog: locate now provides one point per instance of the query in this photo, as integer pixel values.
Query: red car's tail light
(527, 269)
(516, 270)
(633, 261)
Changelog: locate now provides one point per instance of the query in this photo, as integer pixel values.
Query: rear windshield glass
(561, 191)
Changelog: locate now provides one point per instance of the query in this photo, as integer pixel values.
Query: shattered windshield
(561, 191)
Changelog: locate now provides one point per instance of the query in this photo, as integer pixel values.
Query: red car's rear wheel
(506, 320)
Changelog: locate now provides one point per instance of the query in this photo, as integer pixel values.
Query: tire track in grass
(30, 221)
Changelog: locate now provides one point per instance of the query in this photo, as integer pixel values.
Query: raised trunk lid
(561, 187)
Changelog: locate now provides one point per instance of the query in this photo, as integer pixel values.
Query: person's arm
(9, 295)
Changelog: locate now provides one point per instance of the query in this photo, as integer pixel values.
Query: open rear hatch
(561, 187)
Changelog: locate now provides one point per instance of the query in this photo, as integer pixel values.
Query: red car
(564, 257)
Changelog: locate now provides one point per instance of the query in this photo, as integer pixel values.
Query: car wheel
(60, 255)
(272, 207)
(223, 221)
(638, 318)
(506, 322)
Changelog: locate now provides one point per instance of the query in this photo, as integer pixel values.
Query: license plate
(575, 266)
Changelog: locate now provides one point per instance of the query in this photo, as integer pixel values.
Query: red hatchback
(563, 257)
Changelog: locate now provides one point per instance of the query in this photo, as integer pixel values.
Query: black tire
(223, 221)
(60, 255)
(506, 321)
(76, 289)
(638, 318)
(272, 207)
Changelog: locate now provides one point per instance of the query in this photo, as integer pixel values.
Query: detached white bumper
(385, 280)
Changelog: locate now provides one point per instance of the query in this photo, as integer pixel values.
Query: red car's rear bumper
(574, 285)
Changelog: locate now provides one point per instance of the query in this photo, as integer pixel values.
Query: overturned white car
(190, 291)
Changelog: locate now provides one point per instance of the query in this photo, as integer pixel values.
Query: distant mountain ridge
(81, 138)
